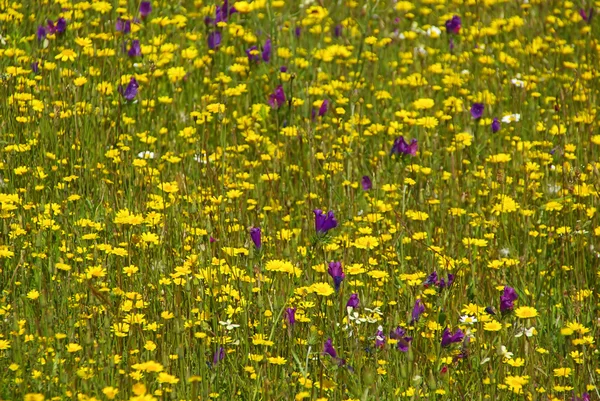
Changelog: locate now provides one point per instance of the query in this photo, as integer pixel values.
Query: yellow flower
(110, 392)
(323, 289)
(516, 383)
(80, 81)
(423, 104)
(526, 312)
(66, 55)
(492, 326)
(277, 360)
(73, 347)
(562, 372)
(4, 344)
(33, 294)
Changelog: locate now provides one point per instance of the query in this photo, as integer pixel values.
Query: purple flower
(145, 8)
(35, 67)
(324, 222)
(432, 279)
(223, 12)
(329, 350)
(495, 125)
(219, 356)
(508, 297)
(298, 31)
(336, 272)
(266, 53)
(353, 301)
(337, 32)
(399, 334)
(366, 183)
(130, 92)
(400, 147)
(586, 17)
(418, 309)
(135, 50)
(446, 284)
(252, 53)
(283, 68)
(490, 310)
(453, 25)
(379, 338)
(290, 316)
(255, 235)
(214, 40)
(449, 338)
(59, 27)
(477, 110)
(277, 98)
(323, 108)
(41, 32)
(123, 26)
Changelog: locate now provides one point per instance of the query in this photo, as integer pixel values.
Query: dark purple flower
(123, 26)
(35, 67)
(432, 279)
(446, 284)
(586, 17)
(379, 338)
(353, 301)
(223, 12)
(59, 27)
(266, 53)
(507, 299)
(328, 348)
(135, 50)
(145, 8)
(219, 356)
(449, 338)
(453, 25)
(495, 125)
(324, 222)
(417, 310)
(255, 235)
(400, 147)
(336, 272)
(252, 53)
(298, 31)
(277, 98)
(490, 310)
(214, 40)
(403, 340)
(366, 183)
(477, 110)
(130, 92)
(283, 68)
(290, 316)
(41, 32)
(323, 108)
(337, 32)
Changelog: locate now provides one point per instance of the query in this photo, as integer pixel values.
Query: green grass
(126, 261)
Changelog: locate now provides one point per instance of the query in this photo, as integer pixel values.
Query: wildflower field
(299, 200)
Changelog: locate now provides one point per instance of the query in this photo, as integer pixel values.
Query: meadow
(299, 200)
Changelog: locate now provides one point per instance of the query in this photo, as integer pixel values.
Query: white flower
(146, 155)
(228, 325)
(503, 352)
(466, 319)
(510, 118)
(434, 32)
(504, 252)
(528, 332)
(518, 82)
